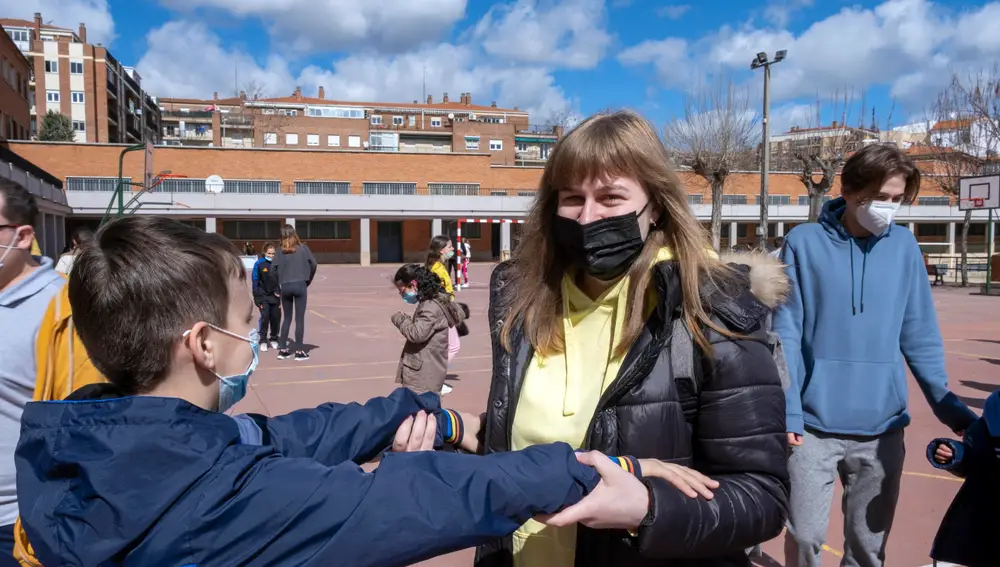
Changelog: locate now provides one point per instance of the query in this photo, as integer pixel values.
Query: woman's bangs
(591, 152)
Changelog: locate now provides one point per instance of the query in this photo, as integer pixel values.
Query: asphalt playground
(355, 350)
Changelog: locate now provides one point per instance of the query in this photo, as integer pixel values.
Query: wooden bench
(939, 271)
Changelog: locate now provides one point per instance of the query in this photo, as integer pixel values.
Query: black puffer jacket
(734, 430)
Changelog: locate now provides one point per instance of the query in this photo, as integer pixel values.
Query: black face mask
(606, 248)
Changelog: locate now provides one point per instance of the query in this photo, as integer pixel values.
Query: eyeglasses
(14, 226)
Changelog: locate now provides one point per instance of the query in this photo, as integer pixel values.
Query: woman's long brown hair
(289, 239)
(621, 144)
(437, 244)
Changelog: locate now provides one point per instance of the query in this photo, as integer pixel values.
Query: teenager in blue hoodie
(267, 297)
(859, 306)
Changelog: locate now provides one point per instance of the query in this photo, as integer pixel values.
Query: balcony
(189, 135)
(536, 130)
(236, 121)
(194, 116)
(444, 129)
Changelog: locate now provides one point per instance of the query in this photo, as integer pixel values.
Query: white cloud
(911, 46)
(669, 58)
(673, 12)
(335, 25)
(170, 68)
(785, 116)
(569, 33)
(779, 12)
(67, 14)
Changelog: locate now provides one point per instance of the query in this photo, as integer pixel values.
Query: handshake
(620, 501)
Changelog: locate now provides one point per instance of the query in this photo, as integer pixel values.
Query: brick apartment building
(824, 141)
(316, 123)
(15, 110)
(103, 98)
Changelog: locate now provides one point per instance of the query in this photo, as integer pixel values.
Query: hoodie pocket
(413, 361)
(860, 398)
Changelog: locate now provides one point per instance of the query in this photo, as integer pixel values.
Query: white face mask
(7, 249)
(877, 216)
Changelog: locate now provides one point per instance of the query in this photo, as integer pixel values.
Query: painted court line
(829, 549)
(934, 476)
(971, 355)
(358, 379)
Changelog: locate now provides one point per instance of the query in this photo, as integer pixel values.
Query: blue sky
(550, 56)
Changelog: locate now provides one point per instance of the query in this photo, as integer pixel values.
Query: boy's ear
(203, 349)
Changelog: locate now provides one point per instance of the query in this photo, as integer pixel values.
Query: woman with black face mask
(611, 264)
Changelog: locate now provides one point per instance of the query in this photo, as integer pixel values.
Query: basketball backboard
(214, 184)
(979, 193)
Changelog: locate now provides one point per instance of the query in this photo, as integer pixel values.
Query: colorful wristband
(454, 428)
(630, 464)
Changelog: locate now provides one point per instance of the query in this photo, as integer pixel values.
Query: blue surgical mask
(449, 255)
(410, 297)
(268, 258)
(233, 388)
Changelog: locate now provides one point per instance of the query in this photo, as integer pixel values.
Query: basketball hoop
(978, 202)
(159, 179)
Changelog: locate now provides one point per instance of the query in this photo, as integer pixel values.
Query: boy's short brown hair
(871, 166)
(142, 283)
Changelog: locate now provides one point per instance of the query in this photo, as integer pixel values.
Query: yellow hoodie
(62, 366)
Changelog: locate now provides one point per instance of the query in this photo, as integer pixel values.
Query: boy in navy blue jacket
(267, 298)
(147, 470)
(968, 531)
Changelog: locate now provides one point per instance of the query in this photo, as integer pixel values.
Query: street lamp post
(761, 61)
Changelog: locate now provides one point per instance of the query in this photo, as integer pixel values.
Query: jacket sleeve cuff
(630, 464)
(958, 449)
(451, 429)
(794, 423)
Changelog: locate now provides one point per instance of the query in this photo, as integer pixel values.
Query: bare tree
(716, 136)
(252, 113)
(972, 107)
(562, 117)
(818, 152)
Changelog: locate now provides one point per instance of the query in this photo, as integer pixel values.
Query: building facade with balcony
(15, 106)
(825, 142)
(360, 206)
(315, 123)
(103, 98)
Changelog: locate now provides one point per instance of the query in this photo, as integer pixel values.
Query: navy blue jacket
(265, 282)
(967, 535)
(106, 480)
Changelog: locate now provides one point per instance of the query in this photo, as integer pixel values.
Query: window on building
(934, 201)
(376, 120)
(333, 141)
(735, 200)
(804, 199)
(76, 67)
(932, 229)
(496, 145)
(741, 230)
(695, 199)
(324, 230)
(79, 126)
(51, 66)
(251, 229)
(312, 140)
(777, 199)
(389, 188)
(323, 187)
(413, 120)
(76, 97)
(251, 186)
(472, 142)
(435, 122)
(291, 139)
(94, 184)
(473, 230)
(466, 189)
(354, 141)
(397, 120)
(521, 147)
(18, 35)
(270, 138)
(52, 96)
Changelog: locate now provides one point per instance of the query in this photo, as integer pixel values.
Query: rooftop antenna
(425, 84)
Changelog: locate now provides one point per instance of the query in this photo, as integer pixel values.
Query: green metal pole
(989, 250)
(119, 194)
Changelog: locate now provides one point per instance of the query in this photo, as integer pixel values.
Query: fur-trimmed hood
(768, 281)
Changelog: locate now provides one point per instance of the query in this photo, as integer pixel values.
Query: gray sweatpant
(870, 469)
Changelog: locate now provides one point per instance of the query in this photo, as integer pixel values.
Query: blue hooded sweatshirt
(857, 308)
(111, 480)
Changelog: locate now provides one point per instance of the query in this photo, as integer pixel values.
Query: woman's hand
(689, 481)
(620, 501)
(794, 439)
(416, 433)
(470, 438)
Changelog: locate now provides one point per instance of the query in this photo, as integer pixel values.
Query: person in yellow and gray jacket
(439, 252)
(62, 366)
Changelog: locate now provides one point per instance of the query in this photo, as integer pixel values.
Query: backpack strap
(685, 366)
